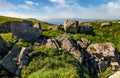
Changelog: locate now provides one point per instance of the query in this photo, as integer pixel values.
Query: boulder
(28, 23)
(70, 46)
(37, 25)
(15, 59)
(104, 24)
(83, 42)
(25, 31)
(71, 26)
(50, 43)
(5, 27)
(105, 52)
(85, 29)
(115, 75)
(3, 47)
(86, 24)
(53, 43)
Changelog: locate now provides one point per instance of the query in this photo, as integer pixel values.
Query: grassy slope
(99, 35)
(48, 62)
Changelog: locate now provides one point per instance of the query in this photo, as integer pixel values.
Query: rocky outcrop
(68, 45)
(15, 59)
(104, 24)
(53, 43)
(115, 75)
(24, 31)
(3, 47)
(28, 23)
(5, 27)
(86, 24)
(37, 25)
(105, 54)
(83, 42)
(71, 26)
(85, 29)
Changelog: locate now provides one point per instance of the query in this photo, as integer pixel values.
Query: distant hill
(61, 20)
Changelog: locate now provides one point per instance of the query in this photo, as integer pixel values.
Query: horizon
(47, 9)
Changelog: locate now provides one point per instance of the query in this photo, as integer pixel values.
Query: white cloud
(31, 3)
(24, 7)
(61, 2)
(17, 14)
(4, 5)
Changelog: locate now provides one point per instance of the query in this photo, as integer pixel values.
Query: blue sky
(43, 9)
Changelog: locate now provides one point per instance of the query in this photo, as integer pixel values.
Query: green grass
(4, 19)
(49, 63)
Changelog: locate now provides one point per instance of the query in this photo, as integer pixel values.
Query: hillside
(54, 51)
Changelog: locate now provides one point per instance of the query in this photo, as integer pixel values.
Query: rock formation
(104, 24)
(71, 26)
(24, 31)
(3, 47)
(85, 29)
(5, 27)
(15, 59)
(105, 54)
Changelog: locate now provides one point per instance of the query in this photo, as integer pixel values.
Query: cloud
(24, 7)
(31, 3)
(4, 5)
(61, 2)
(17, 14)
(73, 9)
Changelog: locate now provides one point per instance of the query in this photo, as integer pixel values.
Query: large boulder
(85, 29)
(37, 25)
(106, 53)
(83, 42)
(70, 46)
(53, 43)
(104, 24)
(28, 23)
(71, 26)
(5, 27)
(15, 59)
(25, 31)
(115, 75)
(86, 24)
(3, 47)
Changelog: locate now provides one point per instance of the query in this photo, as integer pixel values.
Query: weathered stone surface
(105, 52)
(3, 47)
(61, 37)
(85, 29)
(115, 75)
(50, 43)
(86, 24)
(69, 45)
(104, 24)
(15, 59)
(53, 43)
(25, 32)
(5, 27)
(84, 43)
(37, 25)
(28, 23)
(71, 26)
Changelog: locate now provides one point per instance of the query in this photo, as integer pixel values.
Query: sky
(44, 9)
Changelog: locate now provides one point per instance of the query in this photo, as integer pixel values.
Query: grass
(49, 63)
